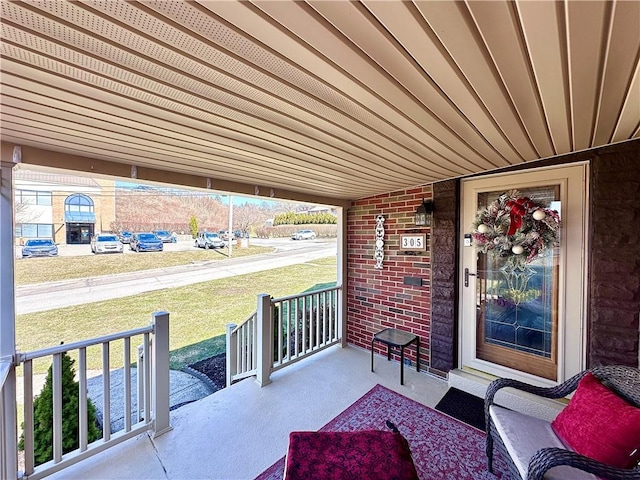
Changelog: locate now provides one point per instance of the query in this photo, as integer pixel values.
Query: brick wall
(377, 299)
(105, 205)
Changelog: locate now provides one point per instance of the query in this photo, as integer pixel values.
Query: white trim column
(264, 317)
(161, 377)
(342, 274)
(8, 422)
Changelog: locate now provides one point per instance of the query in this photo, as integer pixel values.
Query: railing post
(232, 353)
(264, 318)
(9, 157)
(160, 365)
(341, 300)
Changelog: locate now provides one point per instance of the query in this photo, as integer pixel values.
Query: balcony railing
(282, 331)
(153, 394)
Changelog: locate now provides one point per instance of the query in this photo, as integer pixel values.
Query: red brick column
(377, 299)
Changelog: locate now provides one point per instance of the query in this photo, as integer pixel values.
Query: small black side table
(392, 337)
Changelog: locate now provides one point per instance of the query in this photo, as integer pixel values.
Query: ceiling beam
(97, 167)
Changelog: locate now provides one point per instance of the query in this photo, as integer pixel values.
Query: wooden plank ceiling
(335, 99)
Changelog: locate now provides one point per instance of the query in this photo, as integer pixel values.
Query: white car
(303, 235)
(106, 243)
(208, 240)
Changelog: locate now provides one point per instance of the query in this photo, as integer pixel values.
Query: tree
(193, 226)
(244, 216)
(43, 415)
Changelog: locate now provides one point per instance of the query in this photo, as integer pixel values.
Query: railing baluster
(106, 392)
(280, 332)
(254, 346)
(239, 352)
(140, 382)
(318, 341)
(304, 324)
(324, 317)
(334, 311)
(27, 372)
(147, 378)
(288, 337)
(83, 426)
(127, 383)
(243, 342)
(57, 407)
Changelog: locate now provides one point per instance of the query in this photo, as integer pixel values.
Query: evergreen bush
(193, 226)
(43, 415)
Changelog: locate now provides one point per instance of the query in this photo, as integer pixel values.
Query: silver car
(39, 247)
(106, 243)
(303, 235)
(208, 240)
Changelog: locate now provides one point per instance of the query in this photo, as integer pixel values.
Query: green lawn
(37, 270)
(198, 312)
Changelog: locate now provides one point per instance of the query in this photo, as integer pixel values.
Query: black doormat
(463, 406)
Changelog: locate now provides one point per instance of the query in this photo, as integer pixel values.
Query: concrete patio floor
(239, 431)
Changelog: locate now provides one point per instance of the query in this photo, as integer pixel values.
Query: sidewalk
(183, 388)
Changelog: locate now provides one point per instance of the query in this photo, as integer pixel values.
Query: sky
(237, 199)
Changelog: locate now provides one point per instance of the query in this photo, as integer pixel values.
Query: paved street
(47, 296)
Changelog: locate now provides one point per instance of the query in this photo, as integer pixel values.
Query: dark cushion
(371, 454)
(599, 424)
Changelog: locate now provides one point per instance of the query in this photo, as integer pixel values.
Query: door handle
(466, 276)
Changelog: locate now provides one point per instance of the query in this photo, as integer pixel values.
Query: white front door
(526, 324)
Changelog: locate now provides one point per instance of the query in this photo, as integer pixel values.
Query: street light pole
(230, 230)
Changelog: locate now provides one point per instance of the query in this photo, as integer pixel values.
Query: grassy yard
(37, 270)
(198, 312)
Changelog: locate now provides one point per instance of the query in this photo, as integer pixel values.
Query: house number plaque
(413, 242)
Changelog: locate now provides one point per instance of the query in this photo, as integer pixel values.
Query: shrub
(43, 415)
(193, 226)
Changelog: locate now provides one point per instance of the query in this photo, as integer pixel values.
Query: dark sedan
(145, 242)
(39, 247)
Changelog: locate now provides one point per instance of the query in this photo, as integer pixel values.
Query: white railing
(304, 324)
(282, 331)
(153, 378)
(242, 352)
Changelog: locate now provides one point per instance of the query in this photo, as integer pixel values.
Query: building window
(78, 203)
(34, 230)
(33, 197)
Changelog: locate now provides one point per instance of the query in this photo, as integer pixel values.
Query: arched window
(78, 203)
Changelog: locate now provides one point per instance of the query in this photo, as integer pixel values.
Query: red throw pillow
(599, 424)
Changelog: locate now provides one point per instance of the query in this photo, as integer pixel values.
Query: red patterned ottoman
(371, 455)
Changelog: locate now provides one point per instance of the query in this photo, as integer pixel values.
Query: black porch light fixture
(423, 214)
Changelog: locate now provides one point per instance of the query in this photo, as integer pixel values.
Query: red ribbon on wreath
(519, 208)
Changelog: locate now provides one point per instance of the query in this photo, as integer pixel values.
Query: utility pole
(230, 231)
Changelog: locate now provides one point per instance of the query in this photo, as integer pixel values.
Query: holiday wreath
(516, 227)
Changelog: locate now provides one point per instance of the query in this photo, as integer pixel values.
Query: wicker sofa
(542, 451)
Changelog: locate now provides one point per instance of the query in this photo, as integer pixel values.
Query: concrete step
(476, 383)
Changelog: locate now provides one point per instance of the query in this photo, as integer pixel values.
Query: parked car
(145, 242)
(224, 235)
(303, 235)
(125, 236)
(209, 240)
(106, 243)
(39, 247)
(163, 235)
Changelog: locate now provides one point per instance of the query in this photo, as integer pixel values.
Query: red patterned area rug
(442, 447)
